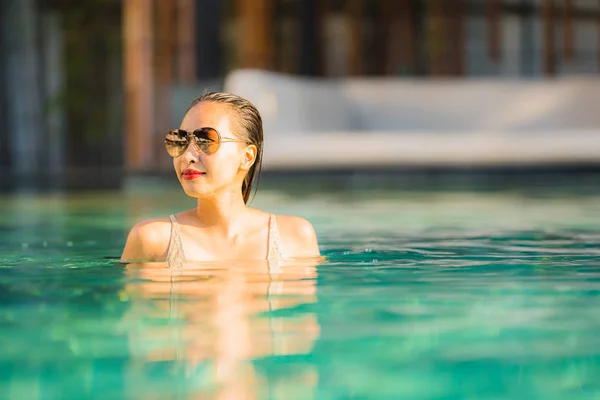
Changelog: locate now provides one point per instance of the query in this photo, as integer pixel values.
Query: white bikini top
(176, 255)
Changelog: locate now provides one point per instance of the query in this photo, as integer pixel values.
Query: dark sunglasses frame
(198, 136)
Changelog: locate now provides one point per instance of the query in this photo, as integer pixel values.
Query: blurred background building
(89, 87)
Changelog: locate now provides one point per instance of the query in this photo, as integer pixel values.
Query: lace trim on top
(275, 250)
(176, 256)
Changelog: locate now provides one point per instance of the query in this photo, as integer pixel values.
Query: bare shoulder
(148, 240)
(298, 236)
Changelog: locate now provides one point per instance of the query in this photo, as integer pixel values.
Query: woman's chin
(192, 189)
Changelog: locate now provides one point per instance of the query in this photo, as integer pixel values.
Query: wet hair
(250, 128)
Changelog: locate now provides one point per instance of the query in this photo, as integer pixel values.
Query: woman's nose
(191, 154)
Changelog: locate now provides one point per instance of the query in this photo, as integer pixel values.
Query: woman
(216, 154)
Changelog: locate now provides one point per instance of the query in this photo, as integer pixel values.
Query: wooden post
(457, 37)
(389, 20)
(256, 33)
(435, 36)
(493, 16)
(186, 41)
(527, 40)
(139, 83)
(322, 9)
(568, 35)
(164, 62)
(549, 55)
(356, 50)
(408, 42)
(400, 42)
(598, 32)
(381, 21)
(310, 32)
(22, 64)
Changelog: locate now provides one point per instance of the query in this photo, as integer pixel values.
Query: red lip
(189, 174)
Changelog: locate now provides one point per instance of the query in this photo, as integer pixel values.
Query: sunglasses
(207, 139)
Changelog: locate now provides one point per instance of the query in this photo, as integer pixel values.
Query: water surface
(426, 294)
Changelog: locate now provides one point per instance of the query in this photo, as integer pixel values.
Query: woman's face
(219, 172)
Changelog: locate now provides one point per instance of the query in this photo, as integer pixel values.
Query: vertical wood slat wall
(159, 45)
(139, 82)
(548, 37)
(598, 38)
(493, 15)
(255, 33)
(186, 41)
(568, 34)
(159, 52)
(164, 63)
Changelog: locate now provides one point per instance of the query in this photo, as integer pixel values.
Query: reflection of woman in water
(216, 154)
(227, 324)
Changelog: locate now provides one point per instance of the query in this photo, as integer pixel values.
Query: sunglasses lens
(207, 139)
(176, 142)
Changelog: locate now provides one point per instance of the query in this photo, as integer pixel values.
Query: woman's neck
(220, 211)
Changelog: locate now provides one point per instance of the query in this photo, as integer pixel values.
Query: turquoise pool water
(426, 294)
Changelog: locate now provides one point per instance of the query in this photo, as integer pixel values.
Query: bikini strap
(175, 255)
(275, 248)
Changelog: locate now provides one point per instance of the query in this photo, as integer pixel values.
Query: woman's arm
(146, 241)
(299, 237)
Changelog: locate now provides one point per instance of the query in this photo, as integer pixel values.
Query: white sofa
(385, 122)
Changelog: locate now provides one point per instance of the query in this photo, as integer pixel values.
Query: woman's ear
(249, 156)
